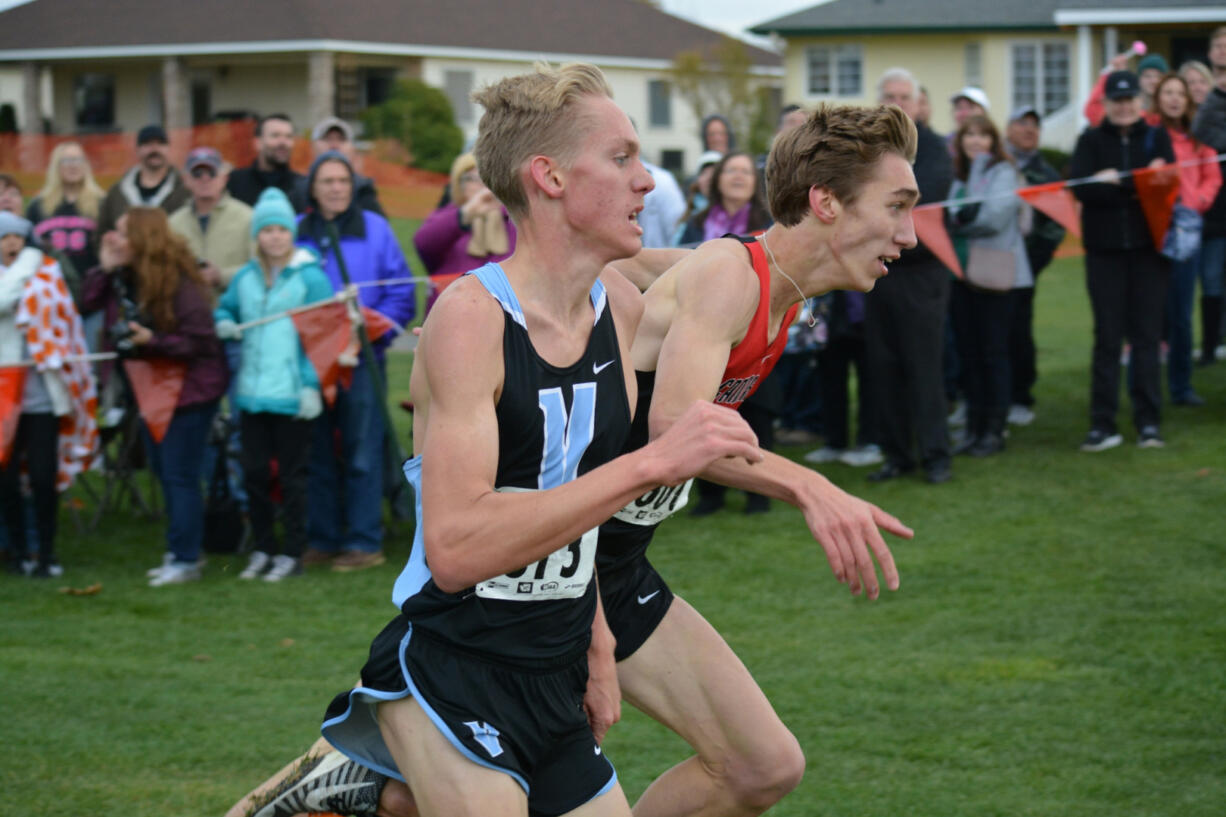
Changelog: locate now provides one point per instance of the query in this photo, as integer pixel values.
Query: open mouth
(634, 219)
(883, 262)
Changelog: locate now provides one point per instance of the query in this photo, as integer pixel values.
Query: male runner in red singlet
(713, 327)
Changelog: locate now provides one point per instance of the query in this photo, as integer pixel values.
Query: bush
(420, 118)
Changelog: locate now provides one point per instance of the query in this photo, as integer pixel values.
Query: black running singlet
(554, 424)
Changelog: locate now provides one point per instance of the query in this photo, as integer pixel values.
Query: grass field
(1058, 646)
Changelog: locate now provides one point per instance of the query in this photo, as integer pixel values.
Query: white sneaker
(283, 567)
(1020, 415)
(154, 572)
(861, 456)
(957, 418)
(257, 563)
(825, 454)
(177, 573)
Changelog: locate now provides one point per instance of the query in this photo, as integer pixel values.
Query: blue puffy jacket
(274, 367)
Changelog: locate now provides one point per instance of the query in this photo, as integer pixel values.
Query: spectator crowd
(195, 267)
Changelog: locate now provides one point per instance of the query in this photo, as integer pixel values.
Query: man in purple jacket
(344, 522)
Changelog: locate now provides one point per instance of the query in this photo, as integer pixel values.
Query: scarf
(719, 222)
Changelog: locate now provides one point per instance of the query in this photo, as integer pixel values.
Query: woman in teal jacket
(278, 390)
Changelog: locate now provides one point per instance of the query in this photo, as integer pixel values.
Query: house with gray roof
(119, 64)
(1043, 53)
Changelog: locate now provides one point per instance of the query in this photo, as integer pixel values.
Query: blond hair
(837, 148)
(90, 196)
(531, 115)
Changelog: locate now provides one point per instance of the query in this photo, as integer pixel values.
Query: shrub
(420, 118)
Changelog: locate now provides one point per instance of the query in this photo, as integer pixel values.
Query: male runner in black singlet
(474, 692)
(845, 212)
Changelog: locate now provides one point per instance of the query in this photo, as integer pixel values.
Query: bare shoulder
(717, 276)
(461, 340)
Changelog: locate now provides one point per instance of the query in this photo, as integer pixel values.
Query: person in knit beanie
(277, 391)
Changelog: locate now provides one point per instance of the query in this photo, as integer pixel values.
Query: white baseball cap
(975, 95)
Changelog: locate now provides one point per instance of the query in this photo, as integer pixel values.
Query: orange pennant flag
(1157, 188)
(325, 332)
(157, 384)
(1055, 201)
(377, 324)
(930, 229)
(12, 385)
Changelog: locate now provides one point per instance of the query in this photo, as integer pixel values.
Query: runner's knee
(396, 801)
(761, 779)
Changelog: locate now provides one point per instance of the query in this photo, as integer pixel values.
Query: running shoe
(282, 567)
(1100, 440)
(1149, 437)
(329, 782)
(257, 563)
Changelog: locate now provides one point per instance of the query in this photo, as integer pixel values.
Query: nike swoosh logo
(598, 369)
(596, 749)
(318, 800)
(648, 597)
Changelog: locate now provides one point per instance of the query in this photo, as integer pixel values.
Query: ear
(546, 176)
(824, 205)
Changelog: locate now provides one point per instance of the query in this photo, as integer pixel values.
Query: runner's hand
(847, 528)
(602, 700)
(703, 434)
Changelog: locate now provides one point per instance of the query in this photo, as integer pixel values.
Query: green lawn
(1058, 646)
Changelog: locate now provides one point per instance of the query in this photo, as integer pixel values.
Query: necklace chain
(770, 254)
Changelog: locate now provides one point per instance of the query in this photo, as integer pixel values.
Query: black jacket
(934, 173)
(1111, 214)
(1210, 129)
(247, 183)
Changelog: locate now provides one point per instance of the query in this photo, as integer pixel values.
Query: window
(93, 99)
(458, 85)
(377, 84)
(972, 65)
(673, 161)
(1041, 76)
(835, 71)
(659, 103)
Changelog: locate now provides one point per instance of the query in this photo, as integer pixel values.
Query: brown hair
(531, 115)
(759, 217)
(162, 263)
(1184, 122)
(837, 148)
(962, 162)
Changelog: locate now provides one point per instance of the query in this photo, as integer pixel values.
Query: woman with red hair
(158, 309)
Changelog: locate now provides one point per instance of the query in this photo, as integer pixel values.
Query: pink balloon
(1139, 48)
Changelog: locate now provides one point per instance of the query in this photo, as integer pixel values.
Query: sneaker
(1020, 415)
(45, 570)
(957, 417)
(257, 563)
(153, 572)
(861, 456)
(177, 573)
(1099, 440)
(282, 567)
(326, 783)
(352, 560)
(315, 556)
(824, 455)
(1149, 437)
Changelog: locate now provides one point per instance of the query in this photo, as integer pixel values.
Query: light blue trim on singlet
(363, 701)
(494, 279)
(416, 573)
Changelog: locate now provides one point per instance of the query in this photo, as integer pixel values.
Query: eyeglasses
(203, 172)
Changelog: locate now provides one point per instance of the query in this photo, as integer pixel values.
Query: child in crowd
(278, 390)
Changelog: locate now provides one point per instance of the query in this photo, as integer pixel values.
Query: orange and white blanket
(48, 319)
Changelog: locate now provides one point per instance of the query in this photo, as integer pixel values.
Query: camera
(119, 332)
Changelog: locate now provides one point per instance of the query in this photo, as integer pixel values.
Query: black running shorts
(526, 721)
(635, 600)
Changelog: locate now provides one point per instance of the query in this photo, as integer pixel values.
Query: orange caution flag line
(1157, 188)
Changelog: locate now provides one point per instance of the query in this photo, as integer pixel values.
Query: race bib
(656, 505)
(563, 574)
